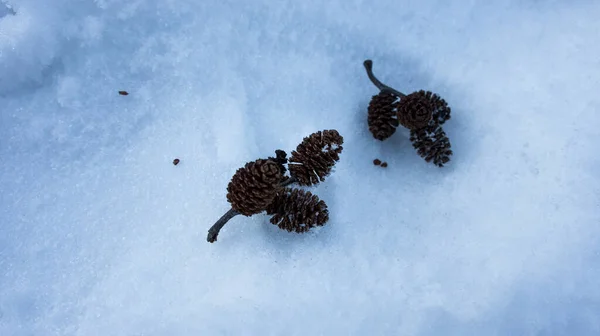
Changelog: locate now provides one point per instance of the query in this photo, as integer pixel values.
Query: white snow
(100, 234)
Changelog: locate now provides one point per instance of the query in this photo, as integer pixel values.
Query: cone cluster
(261, 184)
(422, 112)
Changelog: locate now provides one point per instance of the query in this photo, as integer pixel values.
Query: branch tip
(213, 232)
(382, 87)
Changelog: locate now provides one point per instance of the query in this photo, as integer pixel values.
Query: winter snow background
(101, 235)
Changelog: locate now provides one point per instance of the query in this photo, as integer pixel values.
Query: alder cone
(431, 141)
(439, 107)
(296, 210)
(315, 157)
(253, 187)
(415, 110)
(432, 144)
(381, 118)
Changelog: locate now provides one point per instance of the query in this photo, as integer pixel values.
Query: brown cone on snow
(432, 144)
(253, 187)
(440, 111)
(415, 111)
(296, 210)
(381, 116)
(314, 158)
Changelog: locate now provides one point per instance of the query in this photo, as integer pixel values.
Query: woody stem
(384, 88)
(214, 230)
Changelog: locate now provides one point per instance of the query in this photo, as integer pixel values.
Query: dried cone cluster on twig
(261, 185)
(422, 112)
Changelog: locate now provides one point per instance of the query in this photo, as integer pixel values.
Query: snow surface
(101, 235)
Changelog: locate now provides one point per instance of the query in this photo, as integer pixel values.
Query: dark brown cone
(382, 115)
(431, 141)
(432, 144)
(253, 187)
(440, 109)
(415, 110)
(296, 210)
(314, 158)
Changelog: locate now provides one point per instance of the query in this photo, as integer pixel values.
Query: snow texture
(100, 234)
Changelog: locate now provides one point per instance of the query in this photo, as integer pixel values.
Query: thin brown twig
(382, 87)
(213, 232)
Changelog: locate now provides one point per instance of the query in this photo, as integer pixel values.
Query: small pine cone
(432, 144)
(440, 109)
(314, 158)
(382, 115)
(296, 210)
(253, 187)
(415, 110)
